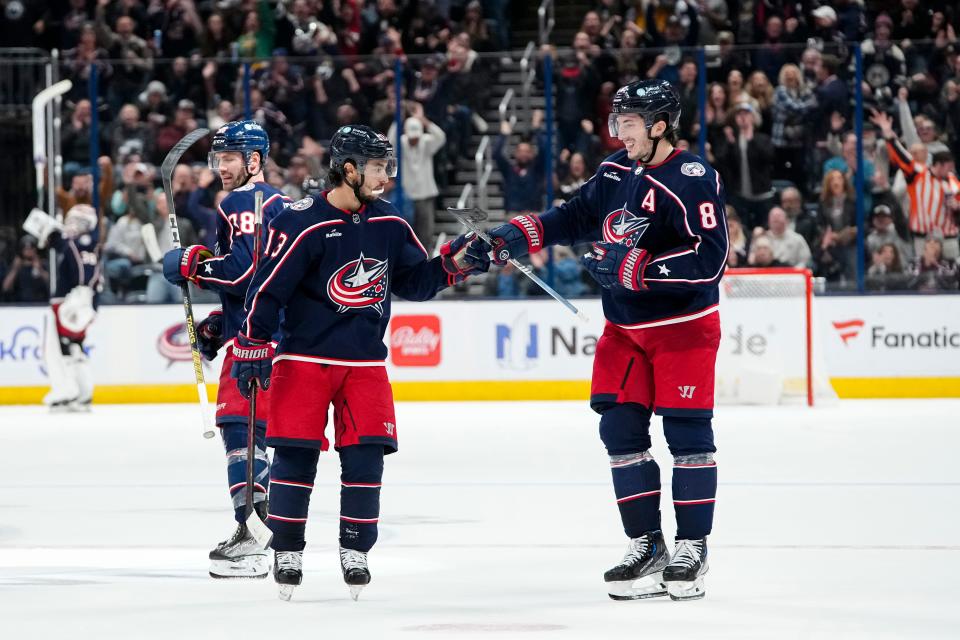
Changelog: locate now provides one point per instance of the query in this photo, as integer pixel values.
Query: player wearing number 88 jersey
(655, 214)
(238, 153)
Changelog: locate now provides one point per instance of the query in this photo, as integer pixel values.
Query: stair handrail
(528, 74)
(545, 20)
(507, 105)
(464, 198)
(483, 160)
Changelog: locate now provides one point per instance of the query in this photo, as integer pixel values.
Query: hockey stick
(166, 174)
(470, 217)
(255, 525)
(40, 158)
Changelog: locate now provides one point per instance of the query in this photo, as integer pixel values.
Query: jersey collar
(673, 154)
(344, 212)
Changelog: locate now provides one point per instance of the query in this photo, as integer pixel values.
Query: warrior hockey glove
(180, 265)
(515, 239)
(615, 265)
(455, 262)
(252, 362)
(210, 334)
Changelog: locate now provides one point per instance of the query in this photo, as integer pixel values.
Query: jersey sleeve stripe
(676, 254)
(614, 164)
(246, 274)
(406, 224)
(303, 234)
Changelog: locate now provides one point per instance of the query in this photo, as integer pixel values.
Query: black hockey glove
(615, 265)
(210, 334)
(521, 236)
(252, 362)
(455, 262)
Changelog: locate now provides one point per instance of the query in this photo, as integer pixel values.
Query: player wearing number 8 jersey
(656, 216)
(238, 153)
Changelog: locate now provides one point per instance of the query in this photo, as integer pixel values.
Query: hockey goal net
(768, 352)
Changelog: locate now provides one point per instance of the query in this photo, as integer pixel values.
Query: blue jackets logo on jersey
(621, 225)
(359, 283)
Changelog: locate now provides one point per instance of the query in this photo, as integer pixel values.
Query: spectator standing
(523, 176)
(747, 156)
(800, 218)
(792, 104)
(930, 271)
(884, 232)
(129, 135)
(133, 56)
(421, 140)
(124, 250)
(835, 252)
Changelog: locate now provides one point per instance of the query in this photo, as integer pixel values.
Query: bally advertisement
(878, 346)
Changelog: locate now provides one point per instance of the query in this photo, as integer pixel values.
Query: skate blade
(355, 590)
(680, 591)
(286, 591)
(248, 567)
(651, 586)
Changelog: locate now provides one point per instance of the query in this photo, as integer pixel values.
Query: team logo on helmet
(624, 227)
(358, 284)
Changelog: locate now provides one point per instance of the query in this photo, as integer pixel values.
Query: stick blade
(173, 156)
(475, 215)
(260, 532)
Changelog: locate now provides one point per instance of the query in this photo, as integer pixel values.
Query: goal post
(769, 350)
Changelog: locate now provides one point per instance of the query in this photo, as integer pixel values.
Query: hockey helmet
(652, 100)
(245, 136)
(357, 144)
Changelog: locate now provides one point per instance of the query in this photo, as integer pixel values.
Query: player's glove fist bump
(210, 334)
(180, 264)
(615, 265)
(252, 363)
(521, 236)
(455, 261)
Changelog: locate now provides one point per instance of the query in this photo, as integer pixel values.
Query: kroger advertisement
(858, 338)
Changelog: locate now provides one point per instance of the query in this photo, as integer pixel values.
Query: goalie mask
(80, 219)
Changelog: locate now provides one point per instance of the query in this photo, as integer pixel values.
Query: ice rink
(497, 521)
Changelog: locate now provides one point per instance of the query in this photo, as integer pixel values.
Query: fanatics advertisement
(504, 342)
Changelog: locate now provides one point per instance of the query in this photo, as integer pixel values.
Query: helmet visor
(626, 122)
(380, 167)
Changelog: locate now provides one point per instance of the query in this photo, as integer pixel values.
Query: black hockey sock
(292, 474)
(361, 474)
(694, 494)
(636, 482)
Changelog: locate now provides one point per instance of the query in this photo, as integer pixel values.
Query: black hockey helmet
(356, 143)
(652, 100)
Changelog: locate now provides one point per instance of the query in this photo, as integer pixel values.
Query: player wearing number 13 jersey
(238, 154)
(656, 216)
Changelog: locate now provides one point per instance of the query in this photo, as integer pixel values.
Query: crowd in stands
(778, 118)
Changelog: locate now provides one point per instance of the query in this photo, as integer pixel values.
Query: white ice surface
(497, 521)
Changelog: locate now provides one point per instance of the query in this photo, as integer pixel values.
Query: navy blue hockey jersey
(674, 210)
(78, 262)
(332, 273)
(231, 271)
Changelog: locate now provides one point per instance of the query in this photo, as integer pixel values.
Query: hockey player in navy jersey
(330, 265)
(656, 215)
(73, 303)
(238, 153)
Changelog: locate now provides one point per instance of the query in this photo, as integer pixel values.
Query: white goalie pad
(63, 385)
(76, 311)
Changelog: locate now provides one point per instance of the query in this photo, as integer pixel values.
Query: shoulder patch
(247, 187)
(694, 169)
(301, 205)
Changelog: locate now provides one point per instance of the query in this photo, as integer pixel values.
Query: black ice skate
(288, 571)
(240, 555)
(684, 575)
(640, 574)
(355, 571)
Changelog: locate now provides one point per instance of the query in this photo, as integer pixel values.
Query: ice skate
(684, 575)
(355, 571)
(288, 572)
(640, 574)
(240, 556)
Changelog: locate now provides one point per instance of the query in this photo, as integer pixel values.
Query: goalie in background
(73, 304)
